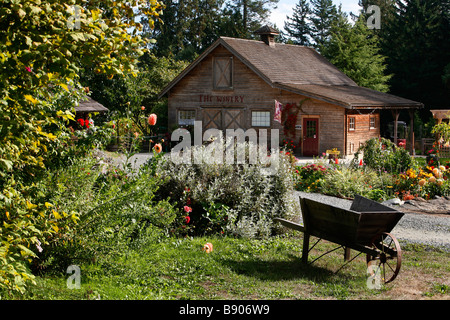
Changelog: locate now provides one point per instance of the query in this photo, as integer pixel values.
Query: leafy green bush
(238, 199)
(41, 53)
(115, 211)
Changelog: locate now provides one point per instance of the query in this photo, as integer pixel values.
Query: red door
(310, 137)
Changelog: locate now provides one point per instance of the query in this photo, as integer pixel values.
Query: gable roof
(87, 104)
(301, 70)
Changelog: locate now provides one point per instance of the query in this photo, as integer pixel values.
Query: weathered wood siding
(250, 93)
(362, 131)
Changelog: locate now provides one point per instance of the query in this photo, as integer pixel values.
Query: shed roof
(90, 105)
(302, 70)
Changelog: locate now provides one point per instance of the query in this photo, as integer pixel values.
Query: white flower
(38, 246)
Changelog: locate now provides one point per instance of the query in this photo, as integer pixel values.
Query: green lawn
(243, 269)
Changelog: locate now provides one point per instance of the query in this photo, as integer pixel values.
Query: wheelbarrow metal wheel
(388, 260)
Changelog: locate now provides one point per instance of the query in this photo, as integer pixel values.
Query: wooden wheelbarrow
(365, 227)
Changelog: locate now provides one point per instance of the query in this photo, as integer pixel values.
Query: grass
(243, 269)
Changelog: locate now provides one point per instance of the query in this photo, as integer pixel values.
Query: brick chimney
(267, 35)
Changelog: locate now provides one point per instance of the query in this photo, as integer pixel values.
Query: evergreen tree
(387, 10)
(355, 51)
(298, 28)
(323, 14)
(186, 28)
(417, 45)
(246, 16)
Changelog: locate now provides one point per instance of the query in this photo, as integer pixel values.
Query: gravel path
(427, 229)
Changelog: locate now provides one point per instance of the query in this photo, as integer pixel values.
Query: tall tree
(248, 15)
(186, 27)
(387, 10)
(355, 51)
(323, 14)
(298, 26)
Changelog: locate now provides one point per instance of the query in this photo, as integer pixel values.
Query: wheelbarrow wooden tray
(355, 228)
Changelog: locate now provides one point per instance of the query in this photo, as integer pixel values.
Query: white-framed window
(372, 123)
(351, 123)
(352, 147)
(186, 117)
(260, 118)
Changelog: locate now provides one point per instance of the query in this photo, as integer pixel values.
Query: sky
(285, 8)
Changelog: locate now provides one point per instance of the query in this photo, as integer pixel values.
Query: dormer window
(223, 73)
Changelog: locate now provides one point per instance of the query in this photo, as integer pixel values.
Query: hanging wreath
(289, 117)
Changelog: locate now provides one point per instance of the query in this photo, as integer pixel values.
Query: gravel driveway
(428, 229)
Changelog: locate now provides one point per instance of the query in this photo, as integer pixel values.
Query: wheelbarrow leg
(347, 254)
(305, 247)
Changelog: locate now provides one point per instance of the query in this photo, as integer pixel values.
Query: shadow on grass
(280, 269)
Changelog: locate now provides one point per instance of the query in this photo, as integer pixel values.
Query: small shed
(240, 83)
(88, 105)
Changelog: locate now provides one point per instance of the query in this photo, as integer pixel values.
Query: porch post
(412, 138)
(395, 114)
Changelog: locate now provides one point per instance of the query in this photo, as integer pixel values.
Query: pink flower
(187, 209)
(28, 69)
(152, 119)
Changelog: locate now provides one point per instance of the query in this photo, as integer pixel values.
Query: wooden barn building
(238, 83)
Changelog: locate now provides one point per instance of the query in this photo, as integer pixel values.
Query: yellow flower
(436, 172)
(411, 174)
(422, 182)
(432, 179)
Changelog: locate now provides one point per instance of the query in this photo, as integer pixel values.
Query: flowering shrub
(382, 154)
(289, 144)
(424, 182)
(226, 198)
(310, 177)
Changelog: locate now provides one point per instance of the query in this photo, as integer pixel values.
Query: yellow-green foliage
(43, 44)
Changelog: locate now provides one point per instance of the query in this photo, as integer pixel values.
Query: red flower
(81, 122)
(152, 119)
(187, 209)
(187, 219)
(157, 147)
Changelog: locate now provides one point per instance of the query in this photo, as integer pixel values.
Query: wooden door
(212, 118)
(233, 119)
(310, 137)
(223, 118)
